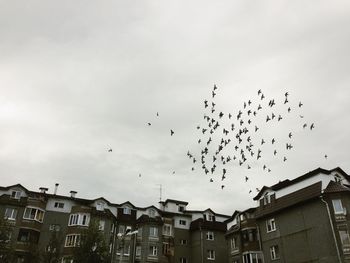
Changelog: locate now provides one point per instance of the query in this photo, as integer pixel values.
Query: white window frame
(211, 254)
(17, 194)
(126, 210)
(100, 206)
(10, 213)
(79, 219)
(183, 260)
(338, 206)
(181, 208)
(72, 240)
(167, 230)
(183, 241)
(153, 231)
(38, 214)
(270, 223)
(273, 253)
(153, 250)
(210, 235)
(210, 217)
(233, 244)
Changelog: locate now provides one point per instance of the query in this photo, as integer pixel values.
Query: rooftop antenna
(160, 192)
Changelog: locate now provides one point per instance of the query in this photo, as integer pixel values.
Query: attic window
(338, 178)
(152, 213)
(15, 194)
(100, 206)
(267, 199)
(210, 217)
(181, 208)
(127, 211)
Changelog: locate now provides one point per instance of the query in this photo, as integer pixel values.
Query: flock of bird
(228, 138)
(239, 142)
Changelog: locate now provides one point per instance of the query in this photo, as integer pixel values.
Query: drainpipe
(260, 246)
(331, 223)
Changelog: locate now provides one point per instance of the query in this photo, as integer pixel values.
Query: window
(267, 199)
(138, 251)
(153, 231)
(233, 243)
(183, 260)
(210, 217)
(54, 227)
(181, 208)
(139, 232)
(121, 229)
(153, 250)
(183, 241)
(241, 217)
(32, 213)
(28, 235)
(274, 252)
(127, 250)
(126, 211)
(72, 240)
(182, 222)
(79, 219)
(59, 205)
(166, 249)
(210, 254)
(338, 207)
(101, 225)
(10, 214)
(100, 206)
(344, 236)
(210, 235)
(270, 225)
(15, 194)
(252, 258)
(152, 213)
(167, 230)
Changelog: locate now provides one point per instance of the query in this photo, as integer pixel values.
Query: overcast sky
(80, 77)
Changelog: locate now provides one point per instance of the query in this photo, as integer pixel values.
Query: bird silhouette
(325, 156)
(312, 126)
(149, 124)
(222, 186)
(290, 135)
(211, 180)
(273, 140)
(300, 104)
(246, 178)
(171, 132)
(305, 125)
(110, 150)
(284, 159)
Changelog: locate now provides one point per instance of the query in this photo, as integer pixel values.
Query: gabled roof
(6, 188)
(206, 210)
(127, 203)
(288, 182)
(334, 187)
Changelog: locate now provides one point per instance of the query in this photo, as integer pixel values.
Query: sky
(78, 78)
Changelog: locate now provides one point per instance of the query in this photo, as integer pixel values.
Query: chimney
(56, 187)
(43, 190)
(73, 193)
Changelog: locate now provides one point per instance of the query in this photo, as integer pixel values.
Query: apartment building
(305, 219)
(168, 233)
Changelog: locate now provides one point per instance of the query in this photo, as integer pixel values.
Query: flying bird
(110, 150)
(149, 124)
(312, 126)
(300, 104)
(246, 178)
(171, 132)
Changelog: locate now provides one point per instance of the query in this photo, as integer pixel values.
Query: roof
(334, 187)
(200, 223)
(289, 200)
(173, 201)
(208, 209)
(287, 182)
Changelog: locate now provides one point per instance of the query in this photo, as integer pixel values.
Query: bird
(284, 158)
(262, 141)
(273, 140)
(222, 186)
(213, 94)
(285, 101)
(221, 114)
(149, 124)
(173, 172)
(286, 94)
(171, 132)
(312, 126)
(229, 115)
(288, 109)
(279, 117)
(274, 152)
(259, 107)
(305, 125)
(256, 128)
(110, 150)
(250, 191)
(215, 87)
(249, 167)
(211, 180)
(246, 178)
(205, 104)
(139, 175)
(325, 156)
(192, 168)
(290, 135)
(157, 114)
(300, 104)
(259, 91)
(257, 189)
(301, 116)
